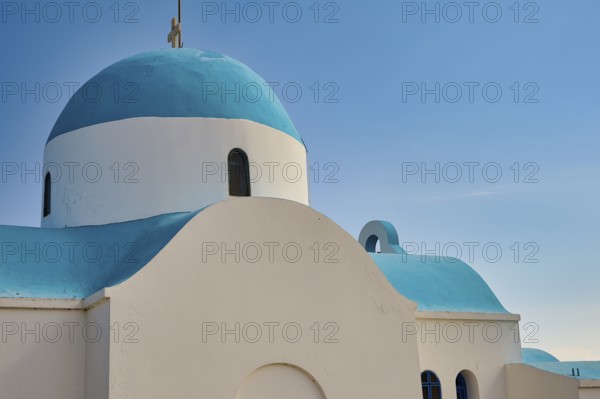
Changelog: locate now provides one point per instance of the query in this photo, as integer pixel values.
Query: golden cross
(174, 36)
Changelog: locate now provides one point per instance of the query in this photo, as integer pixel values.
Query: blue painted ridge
(172, 83)
(392, 236)
(438, 284)
(587, 370)
(51, 263)
(530, 355)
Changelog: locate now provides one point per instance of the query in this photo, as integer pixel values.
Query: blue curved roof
(582, 370)
(79, 261)
(438, 284)
(174, 83)
(542, 360)
(530, 355)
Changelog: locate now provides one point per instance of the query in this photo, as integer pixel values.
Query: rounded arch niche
(276, 381)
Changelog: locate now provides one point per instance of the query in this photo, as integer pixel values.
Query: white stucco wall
(142, 167)
(479, 343)
(527, 382)
(183, 301)
(97, 351)
(590, 392)
(42, 350)
(280, 381)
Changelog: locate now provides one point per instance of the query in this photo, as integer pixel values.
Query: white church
(177, 267)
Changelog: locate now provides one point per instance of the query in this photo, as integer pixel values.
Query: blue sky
(371, 62)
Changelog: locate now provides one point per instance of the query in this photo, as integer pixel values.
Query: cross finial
(174, 36)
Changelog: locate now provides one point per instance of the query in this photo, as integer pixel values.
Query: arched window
(461, 387)
(47, 194)
(238, 170)
(432, 389)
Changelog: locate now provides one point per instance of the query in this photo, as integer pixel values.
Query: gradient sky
(365, 56)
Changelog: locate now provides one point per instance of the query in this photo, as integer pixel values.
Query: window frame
(430, 383)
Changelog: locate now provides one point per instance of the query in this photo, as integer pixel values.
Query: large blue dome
(174, 83)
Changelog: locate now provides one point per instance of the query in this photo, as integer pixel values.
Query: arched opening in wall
(466, 385)
(373, 244)
(276, 381)
(47, 194)
(430, 383)
(238, 171)
(461, 387)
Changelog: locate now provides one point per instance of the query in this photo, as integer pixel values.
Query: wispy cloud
(481, 193)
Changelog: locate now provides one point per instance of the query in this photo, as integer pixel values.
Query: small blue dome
(174, 83)
(531, 355)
